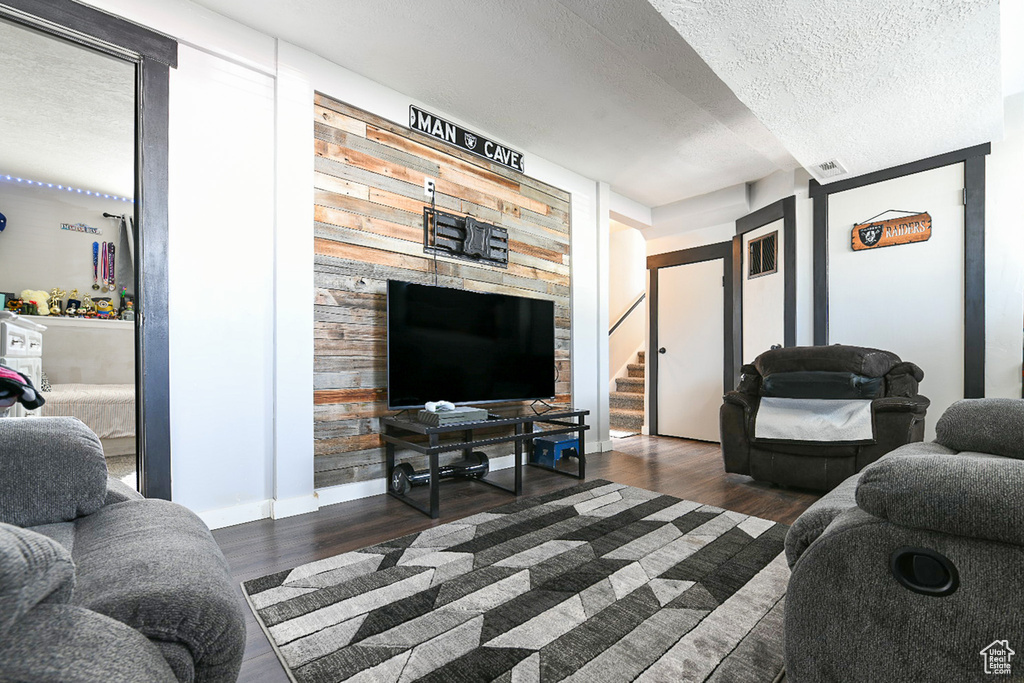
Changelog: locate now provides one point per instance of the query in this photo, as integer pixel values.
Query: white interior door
(691, 331)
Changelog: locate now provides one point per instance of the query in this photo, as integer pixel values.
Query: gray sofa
(821, 372)
(98, 583)
(908, 571)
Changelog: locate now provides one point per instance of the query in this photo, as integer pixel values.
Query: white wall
(909, 298)
(627, 279)
(35, 253)
(221, 244)
(763, 298)
(1004, 256)
(241, 177)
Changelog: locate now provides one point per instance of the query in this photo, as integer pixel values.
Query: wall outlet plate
(428, 187)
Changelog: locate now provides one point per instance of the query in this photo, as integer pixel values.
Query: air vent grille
(830, 169)
(762, 255)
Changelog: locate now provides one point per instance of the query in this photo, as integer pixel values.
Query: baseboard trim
(236, 514)
(598, 447)
(330, 495)
(290, 507)
(342, 493)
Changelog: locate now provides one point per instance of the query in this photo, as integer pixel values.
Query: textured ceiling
(607, 89)
(872, 83)
(67, 113)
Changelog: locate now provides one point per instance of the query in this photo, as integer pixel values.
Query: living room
(292, 166)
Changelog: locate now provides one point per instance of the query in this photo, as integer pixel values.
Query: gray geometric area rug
(597, 582)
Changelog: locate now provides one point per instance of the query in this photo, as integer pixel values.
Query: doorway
(144, 58)
(691, 339)
(67, 273)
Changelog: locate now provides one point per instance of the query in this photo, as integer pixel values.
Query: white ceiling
(67, 113)
(607, 89)
(871, 83)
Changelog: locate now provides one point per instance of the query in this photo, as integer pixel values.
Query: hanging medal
(110, 267)
(103, 267)
(95, 264)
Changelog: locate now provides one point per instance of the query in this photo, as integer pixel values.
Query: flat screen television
(467, 347)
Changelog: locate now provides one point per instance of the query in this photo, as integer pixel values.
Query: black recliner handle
(924, 571)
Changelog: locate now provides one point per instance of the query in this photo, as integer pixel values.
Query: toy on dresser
(35, 302)
(104, 308)
(74, 304)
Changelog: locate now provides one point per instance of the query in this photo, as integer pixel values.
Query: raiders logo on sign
(435, 126)
(870, 234)
(916, 227)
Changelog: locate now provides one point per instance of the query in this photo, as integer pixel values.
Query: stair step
(626, 420)
(633, 385)
(626, 401)
(635, 369)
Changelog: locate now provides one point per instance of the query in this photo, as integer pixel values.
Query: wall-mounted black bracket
(464, 237)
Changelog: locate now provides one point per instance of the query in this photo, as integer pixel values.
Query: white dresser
(21, 349)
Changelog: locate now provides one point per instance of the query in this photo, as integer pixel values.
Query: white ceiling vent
(829, 169)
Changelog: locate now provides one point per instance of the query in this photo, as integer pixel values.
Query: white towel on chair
(814, 419)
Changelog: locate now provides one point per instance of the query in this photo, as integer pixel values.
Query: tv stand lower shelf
(403, 433)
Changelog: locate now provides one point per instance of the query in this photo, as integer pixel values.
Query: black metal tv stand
(399, 432)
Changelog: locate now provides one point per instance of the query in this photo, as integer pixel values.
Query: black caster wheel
(400, 478)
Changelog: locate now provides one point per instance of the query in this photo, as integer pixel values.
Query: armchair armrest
(901, 404)
(746, 401)
(988, 425)
(52, 470)
(968, 494)
(154, 566)
(903, 380)
(68, 644)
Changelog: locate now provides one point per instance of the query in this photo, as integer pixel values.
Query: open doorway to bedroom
(67, 234)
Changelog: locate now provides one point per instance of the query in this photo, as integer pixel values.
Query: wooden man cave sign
(873, 234)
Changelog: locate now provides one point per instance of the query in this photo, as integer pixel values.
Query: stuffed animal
(39, 298)
(104, 308)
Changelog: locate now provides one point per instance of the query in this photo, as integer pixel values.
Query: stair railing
(625, 315)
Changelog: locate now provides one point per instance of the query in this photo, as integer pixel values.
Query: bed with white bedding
(107, 409)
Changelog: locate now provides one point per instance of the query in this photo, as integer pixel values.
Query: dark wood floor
(685, 469)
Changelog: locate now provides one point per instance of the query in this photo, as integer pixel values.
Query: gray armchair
(821, 372)
(98, 583)
(911, 569)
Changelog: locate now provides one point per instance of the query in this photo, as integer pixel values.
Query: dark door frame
(727, 251)
(784, 210)
(973, 159)
(154, 55)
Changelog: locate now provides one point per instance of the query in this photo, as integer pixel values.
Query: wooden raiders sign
(435, 126)
(904, 230)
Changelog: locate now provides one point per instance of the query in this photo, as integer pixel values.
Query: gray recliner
(821, 372)
(911, 569)
(98, 583)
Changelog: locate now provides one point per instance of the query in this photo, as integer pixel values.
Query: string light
(67, 188)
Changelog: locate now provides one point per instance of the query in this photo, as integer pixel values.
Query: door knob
(661, 350)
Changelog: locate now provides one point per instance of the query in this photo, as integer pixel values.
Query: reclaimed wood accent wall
(369, 229)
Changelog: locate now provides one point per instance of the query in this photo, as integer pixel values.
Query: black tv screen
(467, 347)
